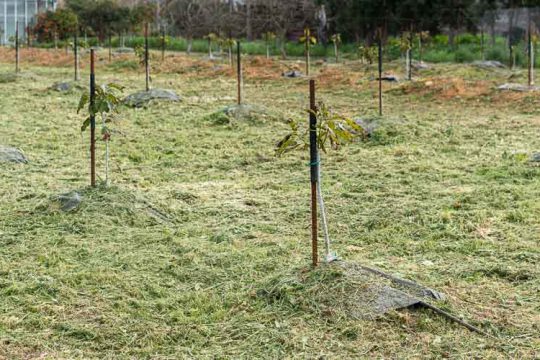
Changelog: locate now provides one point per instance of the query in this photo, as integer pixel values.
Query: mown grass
(202, 220)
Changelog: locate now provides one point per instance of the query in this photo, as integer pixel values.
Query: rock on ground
(12, 155)
(142, 98)
(390, 78)
(489, 64)
(68, 201)
(420, 65)
(124, 50)
(517, 87)
(293, 74)
(66, 86)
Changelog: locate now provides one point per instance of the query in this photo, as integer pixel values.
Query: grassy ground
(177, 259)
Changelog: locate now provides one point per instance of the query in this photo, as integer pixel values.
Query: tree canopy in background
(355, 20)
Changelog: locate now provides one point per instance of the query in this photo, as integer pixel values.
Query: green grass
(177, 258)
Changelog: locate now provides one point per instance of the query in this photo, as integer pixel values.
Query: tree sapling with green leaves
(336, 39)
(268, 37)
(307, 39)
(106, 106)
(211, 38)
(333, 131)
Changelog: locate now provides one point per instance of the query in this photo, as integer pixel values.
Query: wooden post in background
(17, 69)
(76, 55)
(146, 57)
(239, 71)
(530, 49)
(380, 55)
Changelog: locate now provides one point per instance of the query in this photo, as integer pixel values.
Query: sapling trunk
(267, 50)
(55, 40)
(307, 57)
(531, 57)
(230, 56)
(210, 55)
(189, 45)
(163, 45)
(76, 56)
(420, 49)
(146, 58)
(110, 48)
(336, 51)
(380, 56)
(106, 138)
(239, 72)
(482, 46)
(408, 63)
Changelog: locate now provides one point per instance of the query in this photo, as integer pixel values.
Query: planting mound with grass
(66, 86)
(144, 98)
(112, 203)
(243, 112)
(342, 289)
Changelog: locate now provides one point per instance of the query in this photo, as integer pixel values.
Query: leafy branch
(333, 131)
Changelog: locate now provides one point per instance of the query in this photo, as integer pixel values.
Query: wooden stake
(162, 44)
(92, 120)
(146, 57)
(531, 55)
(76, 55)
(239, 71)
(379, 43)
(17, 47)
(314, 165)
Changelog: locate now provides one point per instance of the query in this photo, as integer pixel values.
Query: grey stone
(142, 98)
(66, 86)
(535, 158)
(517, 87)
(12, 155)
(489, 64)
(390, 78)
(243, 111)
(420, 65)
(69, 201)
(293, 74)
(124, 50)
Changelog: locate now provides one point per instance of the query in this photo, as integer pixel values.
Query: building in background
(23, 13)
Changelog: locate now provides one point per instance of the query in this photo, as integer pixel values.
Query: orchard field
(200, 246)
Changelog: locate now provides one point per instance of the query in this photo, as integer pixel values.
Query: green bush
(468, 39)
(463, 55)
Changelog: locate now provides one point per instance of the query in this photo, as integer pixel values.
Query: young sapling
(105, 106)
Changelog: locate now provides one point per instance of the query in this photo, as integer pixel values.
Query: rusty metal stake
(239, 71)
(531, 54)
(92, 120)
(379, 43)
(76, 55)
(17, 47)
(110, 47)
(163, 44)
(146, 57)
(314, 166)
